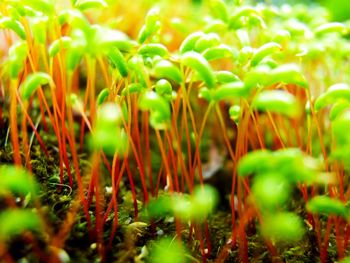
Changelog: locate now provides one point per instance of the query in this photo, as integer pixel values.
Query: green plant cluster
(145, 97)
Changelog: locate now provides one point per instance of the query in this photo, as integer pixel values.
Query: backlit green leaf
(15, 221)
(283, 227)
(277, 101)
(16, 180)
(198, 63)
(328, 206)
(34, 81)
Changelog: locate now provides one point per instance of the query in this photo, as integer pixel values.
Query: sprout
(263, 75)
(283, 227)
(218, 52)
(219, 9)
(159, 107)
(165, 69)
(102, 96)
(168, 250)
(230, 91)
(88, 4)
(108, 135)
(204, 200)
(198, 63)
(59, 44)
(206, 41)
(190, 41)
(271, 191)
(225, 76)
(328, 206)
(338, 108)
(254, 162)
(16, 180)
(198, 206)
(151, 26)
(16, 221)
(277, 101)
(17, 27)
(164, 88)
(291, 162)
(336, 92)
(132, 88)
(44, 6)
(117, 60)
(39, 26)
(34, 81)
(333, 27)
(17, 54)
(235, 113)
(152, 50)
(263, 51)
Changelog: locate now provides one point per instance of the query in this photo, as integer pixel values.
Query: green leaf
(15, 221)
(339, 127)
(132, 88)
(16, 180)
(152, 101)
(59, 44)
(89, 4)
(338, 108)
(107, 134)
(265, 76)
(151, 26)
(136, 64)
(182, 207)
(118, 61)
(271, 191)
(283, 227)
(166, 69)
(289, 74)
(168, 250)
(102, 39)
(218, 52)
(44, 6)
(74, 18)
(328, 206)
(102, 96)
(335, 93)
(164, 88)
(204, 200)
(332, 27)
(198, 63)
(17, 27)
(235, 112)
(205, 93)
(230, 90)
(263, 51)
(244, 11)
(39, 28)
(225, 76)
(78, 47)
(190, 41)
(219, 9)
(34, 81)
(152, 50)
(206, 41)
(17, 54)
(281, 36)
(252, 162)
(277, 101)
(159, 107)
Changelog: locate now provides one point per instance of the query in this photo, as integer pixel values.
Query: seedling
(133, 105)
